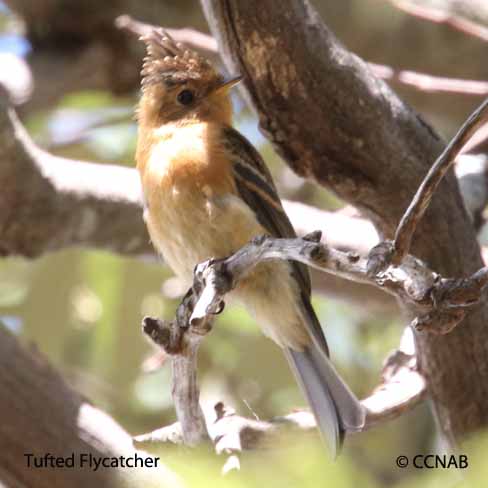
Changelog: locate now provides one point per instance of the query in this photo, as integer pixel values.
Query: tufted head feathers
(173, 63)
(180, 86)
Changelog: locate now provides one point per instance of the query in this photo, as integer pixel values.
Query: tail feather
(335, 407)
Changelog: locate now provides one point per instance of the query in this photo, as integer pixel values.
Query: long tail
(335, 407)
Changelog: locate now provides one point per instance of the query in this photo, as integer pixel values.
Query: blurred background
(83, 308)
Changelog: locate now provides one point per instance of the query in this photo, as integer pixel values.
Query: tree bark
(334, 122)
(49, 202)
(79, 42)
(369, 148)
(41, 414)
(452, 12)
(58, 205)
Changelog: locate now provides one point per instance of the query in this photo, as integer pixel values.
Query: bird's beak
(227, 84)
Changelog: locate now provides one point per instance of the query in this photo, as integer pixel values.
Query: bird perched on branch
(207, 193)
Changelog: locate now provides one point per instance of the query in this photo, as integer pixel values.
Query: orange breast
(193, 212)
(185, 157)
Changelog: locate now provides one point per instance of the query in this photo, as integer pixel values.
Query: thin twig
(423, 196)
(439, 16)
(206, 45)
(429, 83)
(402, 388)
(440, 302)
(182, 344)
(441, 305)
(194, 39)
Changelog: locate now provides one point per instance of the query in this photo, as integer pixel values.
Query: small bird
(207, 193)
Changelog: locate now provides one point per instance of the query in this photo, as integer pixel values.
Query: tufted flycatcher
(207, 193)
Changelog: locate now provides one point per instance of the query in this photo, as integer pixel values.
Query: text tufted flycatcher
(207, 193)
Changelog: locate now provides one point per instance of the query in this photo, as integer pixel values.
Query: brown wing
(255, 186)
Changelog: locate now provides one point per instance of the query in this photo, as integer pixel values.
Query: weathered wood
(41, 414)
(334, 122)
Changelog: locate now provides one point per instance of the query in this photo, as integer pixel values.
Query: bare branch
(472, 174)
(15, 77)
(402, 389)
(429, 83)
(440, 303)
(181, 342)
(421, 200)
(452, 14)
(104, 58)
(199, 41)
(42, 415)
(207, 45)
(63, 203)
(48, 203)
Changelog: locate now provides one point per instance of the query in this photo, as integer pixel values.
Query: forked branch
(421, 200)
(440, 302)
(401, 389)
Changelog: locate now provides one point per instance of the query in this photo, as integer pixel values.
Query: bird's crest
(172, 63)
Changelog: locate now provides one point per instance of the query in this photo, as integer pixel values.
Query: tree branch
(194, 39)
(82, 43)
(420, 202)
(370, 189)
(181, 339)
(467, 16)
(63, 203)
(334, 122)
(429, 83)
(402, 388)
(48, 203)
(207, 46)
(440, 303)
(41, 414)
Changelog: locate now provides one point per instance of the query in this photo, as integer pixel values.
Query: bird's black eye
(185, 97)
